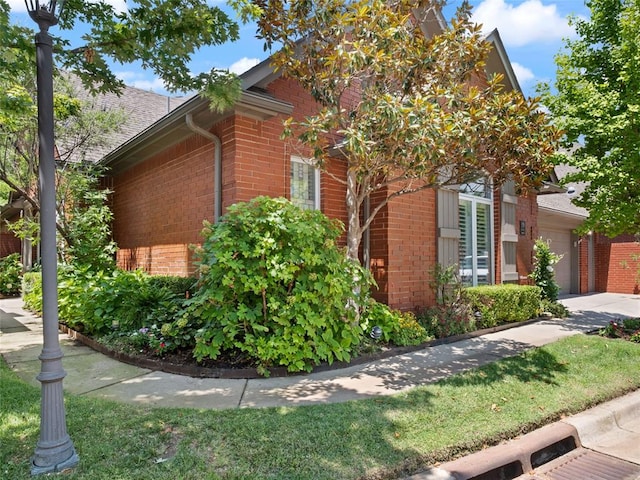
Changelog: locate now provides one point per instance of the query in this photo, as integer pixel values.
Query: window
(475, 216)
(305, 184)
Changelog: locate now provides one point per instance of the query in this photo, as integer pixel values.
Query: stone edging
(247, 373)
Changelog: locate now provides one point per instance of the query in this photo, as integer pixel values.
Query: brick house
(591, 263)
(179, 164)
(193, 163)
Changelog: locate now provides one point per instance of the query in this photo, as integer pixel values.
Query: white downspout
(217, 171)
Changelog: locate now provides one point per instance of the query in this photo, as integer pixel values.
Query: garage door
(560, 243)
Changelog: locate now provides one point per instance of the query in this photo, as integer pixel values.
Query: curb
(605, 418)
(522, 455)
(511, 459)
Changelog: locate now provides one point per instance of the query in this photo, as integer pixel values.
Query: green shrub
(498, 304)
(399, 328)
(97, 302)
(451, 315)
(274, 284)
(543, 273)
(626, 328)
(556, 309)
(10, 273)
(442, 321)
(174, 284)
(147, 340)
(32, 291)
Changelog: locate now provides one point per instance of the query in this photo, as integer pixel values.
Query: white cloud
(530, 22)
(243, 65)
(18, 6)
(523, 74)
(139, 80)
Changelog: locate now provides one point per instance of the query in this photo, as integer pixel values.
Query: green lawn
(373, 439)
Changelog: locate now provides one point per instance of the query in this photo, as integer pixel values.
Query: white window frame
(475, 201)
(316, 178)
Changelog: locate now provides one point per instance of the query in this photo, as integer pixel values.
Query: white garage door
(560, 243)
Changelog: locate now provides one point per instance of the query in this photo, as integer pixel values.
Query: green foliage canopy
(597, 104)
(82, 219)
(405, 109)
(161, 34)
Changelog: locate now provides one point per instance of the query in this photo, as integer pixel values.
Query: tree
(82, 215)
(161, 34)
(422, 116)
(597, 104)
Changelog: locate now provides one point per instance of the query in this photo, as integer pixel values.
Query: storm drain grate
(553, 451)
(505, 472)
(588, 465)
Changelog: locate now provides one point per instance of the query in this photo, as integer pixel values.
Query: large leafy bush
(274, 285)
(10, 273)
(399, 328)
(32, 291)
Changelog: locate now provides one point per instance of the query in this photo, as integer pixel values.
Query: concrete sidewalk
(93, 374)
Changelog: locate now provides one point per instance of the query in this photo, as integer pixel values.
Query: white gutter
(217, 159)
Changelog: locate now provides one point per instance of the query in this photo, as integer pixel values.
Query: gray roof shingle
(141, 109)
(561, 202)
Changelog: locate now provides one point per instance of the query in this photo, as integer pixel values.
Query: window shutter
(448, 227)
(509, 236)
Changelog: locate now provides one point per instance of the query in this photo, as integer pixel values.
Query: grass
(385, 437)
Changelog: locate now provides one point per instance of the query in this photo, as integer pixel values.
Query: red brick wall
(617, 264)
(404, 250)
(379, 249)
(8, 244)
(159, 207)
(160, 204)
(527, 211)
(583, 265)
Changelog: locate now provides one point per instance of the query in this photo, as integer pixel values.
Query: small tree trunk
(354, 232)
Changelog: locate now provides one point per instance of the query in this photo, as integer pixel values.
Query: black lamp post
(54, 451)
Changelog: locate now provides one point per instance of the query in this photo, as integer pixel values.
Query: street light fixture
(54, 451)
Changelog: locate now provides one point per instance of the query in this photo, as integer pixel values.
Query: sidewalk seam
(244, 389)
(114, 383)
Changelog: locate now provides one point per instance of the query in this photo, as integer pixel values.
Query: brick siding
(527, 211)
(617, 264)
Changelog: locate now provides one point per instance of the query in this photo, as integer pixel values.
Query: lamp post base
(69, 463)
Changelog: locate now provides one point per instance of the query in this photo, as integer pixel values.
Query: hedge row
(498, 304)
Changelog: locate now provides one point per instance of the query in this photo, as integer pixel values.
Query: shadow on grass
(535, 365)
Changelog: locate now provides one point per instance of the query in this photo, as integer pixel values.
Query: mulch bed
(239, 367)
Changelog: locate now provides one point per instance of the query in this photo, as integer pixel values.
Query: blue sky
(531, 30)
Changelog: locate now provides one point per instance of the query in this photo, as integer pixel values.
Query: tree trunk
(354, 232)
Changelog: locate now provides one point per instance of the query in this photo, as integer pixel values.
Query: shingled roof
(141, 109)
(561, 202)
